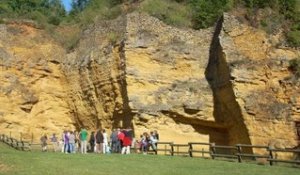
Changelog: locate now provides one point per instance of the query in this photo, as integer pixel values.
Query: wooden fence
(17, 144)
(237, 153)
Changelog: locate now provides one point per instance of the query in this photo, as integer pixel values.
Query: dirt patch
(4, 168)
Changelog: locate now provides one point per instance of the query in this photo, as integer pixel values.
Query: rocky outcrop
(95, 73)
(264, 87)
(32, 90)
(229, 84)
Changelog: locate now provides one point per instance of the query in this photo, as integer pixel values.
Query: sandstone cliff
(32, 90)
(228, 84)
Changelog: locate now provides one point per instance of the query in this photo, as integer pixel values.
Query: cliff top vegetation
(50, 14)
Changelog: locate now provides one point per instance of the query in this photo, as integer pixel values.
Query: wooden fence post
(213, 150)
(172, 150)
(165, 149)
(271, 156)
(191, 150)
(239, 149)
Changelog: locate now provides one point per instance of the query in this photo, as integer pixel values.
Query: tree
(55, 11)
(43, 11)
(79, 5)
(206, 12)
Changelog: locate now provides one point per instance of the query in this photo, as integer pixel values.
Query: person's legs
(127, 149)
(81, 147)
(84, 145)
(54, 144)
(98, 148)
(72, 148)
(104, 148)
(153, 146)
(101, 148)
(119, 146)
(123, 150)
(113, 146)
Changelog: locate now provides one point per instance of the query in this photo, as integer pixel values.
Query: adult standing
(43, 140)
(120, 138)
(92, 142)
(66, 142)
(54, 142)
(105, 142)
(130, 134)
(126, 142)
(114, 141)
(99, 141)
(62, 142)
(72, 142)
(83, 140)
(156, 136)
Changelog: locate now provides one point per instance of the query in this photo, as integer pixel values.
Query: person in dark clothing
(92, 141)
(156, 136)
(43, 140)
(99, 141)
(114, 141)
(129, 133)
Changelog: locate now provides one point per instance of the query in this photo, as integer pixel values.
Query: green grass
(31, 163)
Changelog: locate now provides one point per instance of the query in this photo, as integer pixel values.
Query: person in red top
(121, 137)
(126, 142)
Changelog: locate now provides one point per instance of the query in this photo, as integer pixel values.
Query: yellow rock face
(32, 94)
(264, 88)
(227, 85)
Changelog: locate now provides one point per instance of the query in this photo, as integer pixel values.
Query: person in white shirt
(105, 142)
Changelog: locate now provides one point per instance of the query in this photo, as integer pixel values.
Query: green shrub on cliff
(280, 14)
(295, 67)
(205, 13)
(293, 37)
(169, 11)
(268, 15)
(187, 13)
(45, 12)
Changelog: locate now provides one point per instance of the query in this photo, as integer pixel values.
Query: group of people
(69, 142)
(148, 140)
(121, 141)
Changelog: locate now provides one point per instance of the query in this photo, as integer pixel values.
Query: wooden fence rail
(228, 151)
(167, 148)
(20, 145)
(178, 150)
(273, 158)
(240, 154)
(237, 152)
(202, 151)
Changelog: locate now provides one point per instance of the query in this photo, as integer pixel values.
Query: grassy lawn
(39, 163)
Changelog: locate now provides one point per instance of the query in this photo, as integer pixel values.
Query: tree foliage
(206, 12)
(44, 11)
(181, 13)
(79, 5)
